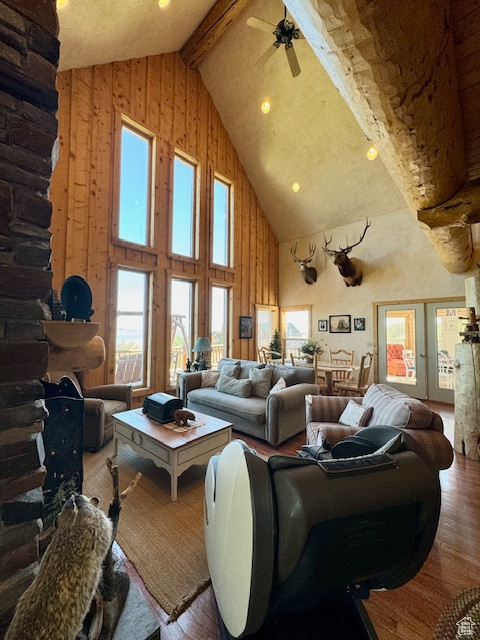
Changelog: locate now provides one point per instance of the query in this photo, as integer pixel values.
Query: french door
(416, 347)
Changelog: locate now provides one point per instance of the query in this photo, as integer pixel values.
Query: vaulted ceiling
(309, 136)
(408, 74)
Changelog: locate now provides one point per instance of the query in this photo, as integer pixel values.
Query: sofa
(395, 363)
(273, 414)
(332, 418)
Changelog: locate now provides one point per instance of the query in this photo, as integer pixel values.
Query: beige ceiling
(309, 136)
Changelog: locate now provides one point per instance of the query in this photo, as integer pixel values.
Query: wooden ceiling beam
(395, 66)
(216, 23)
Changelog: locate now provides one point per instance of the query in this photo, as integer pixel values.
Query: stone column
(28, 131)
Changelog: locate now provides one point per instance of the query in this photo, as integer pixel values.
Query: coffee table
(173, 450)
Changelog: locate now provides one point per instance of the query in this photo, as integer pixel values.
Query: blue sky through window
(183, 207)
(220, 223)
(134, 187)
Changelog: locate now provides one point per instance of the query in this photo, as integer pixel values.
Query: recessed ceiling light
(163, 3)
(372, 153)
(61, 3)
(295, 187)
(266, 106)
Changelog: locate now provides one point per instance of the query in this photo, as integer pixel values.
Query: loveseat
(272, 414)
(329, 419)
(395, 362)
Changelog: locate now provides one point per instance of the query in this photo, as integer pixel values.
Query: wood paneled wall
(171, 101)
(466, 29)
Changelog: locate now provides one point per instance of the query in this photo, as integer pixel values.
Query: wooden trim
(216, 23)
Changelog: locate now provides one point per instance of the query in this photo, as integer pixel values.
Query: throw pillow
(355, 415)
(234, 387)
(287, 373)
(261, 381)
(209, 378)
(280, 384)
(231, 370)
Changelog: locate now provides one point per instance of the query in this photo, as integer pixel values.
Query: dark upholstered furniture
(275, 418)
(100, 403)
(390, 408)
(286, 537)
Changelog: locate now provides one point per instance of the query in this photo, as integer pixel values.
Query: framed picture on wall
(323, 325)
(246, 326)
(340, 324)
(359, 324)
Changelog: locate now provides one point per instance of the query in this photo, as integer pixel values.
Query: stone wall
(28, 132)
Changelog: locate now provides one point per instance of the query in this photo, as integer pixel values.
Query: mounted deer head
(350, 268)
(309, 273)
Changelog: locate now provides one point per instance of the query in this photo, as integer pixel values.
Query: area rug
(163, 539)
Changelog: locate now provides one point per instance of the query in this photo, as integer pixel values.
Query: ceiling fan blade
(260, 24)
(266, 56)
(293, 61)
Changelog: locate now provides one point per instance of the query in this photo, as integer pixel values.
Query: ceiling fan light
(372, 153)
(266, 106)
(163, 3)
(295, 187)
(61, 3)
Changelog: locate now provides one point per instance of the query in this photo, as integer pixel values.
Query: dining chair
(409, 360)
(266, 355)
(357, 387)
(343, 358)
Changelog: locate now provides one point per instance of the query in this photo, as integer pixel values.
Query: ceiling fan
(285, 32)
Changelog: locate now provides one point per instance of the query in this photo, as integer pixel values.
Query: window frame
(299, 307)
(271, 308)
(171, 275)
(145, 386)
(188, 159)
(121, 121)
(231, 221)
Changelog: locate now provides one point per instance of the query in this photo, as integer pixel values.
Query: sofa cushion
(251, 409)
(287, 373)
(261, 380)
(279, 385)
(356, 415)
(396, 409)
(225, 362)
(234, 387)
(209, 378)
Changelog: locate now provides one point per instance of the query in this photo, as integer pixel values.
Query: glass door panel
(401, 343)
(444, 323)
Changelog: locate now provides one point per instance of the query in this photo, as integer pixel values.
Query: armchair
(100, 403)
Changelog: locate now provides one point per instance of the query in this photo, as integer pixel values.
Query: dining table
(327, 369)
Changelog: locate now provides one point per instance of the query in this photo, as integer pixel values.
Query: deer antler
(311, 248)
(331, 252)
(350, 247)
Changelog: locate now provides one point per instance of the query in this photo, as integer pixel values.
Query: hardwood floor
(408, 613)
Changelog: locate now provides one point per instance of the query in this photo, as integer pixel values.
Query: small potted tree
(275, 345)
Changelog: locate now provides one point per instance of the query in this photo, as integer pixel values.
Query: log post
(467, 400)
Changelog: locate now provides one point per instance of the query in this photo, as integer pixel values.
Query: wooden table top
(165, 433)
(330, 366)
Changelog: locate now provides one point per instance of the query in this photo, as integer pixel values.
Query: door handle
(422, 355)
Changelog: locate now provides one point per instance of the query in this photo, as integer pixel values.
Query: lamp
(203, 348)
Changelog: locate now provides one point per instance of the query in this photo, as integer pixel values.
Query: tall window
(267, 323)
(184, 207)
(182, 306)
(132, 327)
(222, 222)
(295, 328)
(220, 323)
(134, 223)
